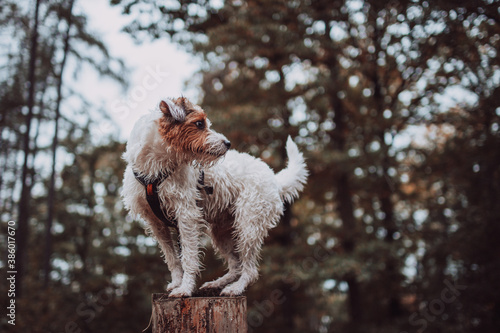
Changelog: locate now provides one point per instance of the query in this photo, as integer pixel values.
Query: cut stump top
(199, 314)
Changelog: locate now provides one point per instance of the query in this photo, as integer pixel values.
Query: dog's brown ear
(172, 110)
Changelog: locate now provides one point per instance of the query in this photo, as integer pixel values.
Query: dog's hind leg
(249, 272)
(168, 247)
(250, 232)
(224, 244)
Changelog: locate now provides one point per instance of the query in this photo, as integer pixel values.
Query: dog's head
(185, 127)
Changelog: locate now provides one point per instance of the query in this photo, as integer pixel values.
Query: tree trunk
(23, 217)
(345, 206)
(199, 314)
(55, 142)
(286, 240)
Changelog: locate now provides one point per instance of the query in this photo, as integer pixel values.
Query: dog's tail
(292, 179)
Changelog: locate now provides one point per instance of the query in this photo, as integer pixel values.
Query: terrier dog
(181, 174)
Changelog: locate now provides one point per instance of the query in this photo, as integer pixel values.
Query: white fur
(246, 202)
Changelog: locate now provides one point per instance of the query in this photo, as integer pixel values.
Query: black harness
(151, 187)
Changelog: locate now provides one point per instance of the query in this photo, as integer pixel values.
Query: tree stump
(199, 314)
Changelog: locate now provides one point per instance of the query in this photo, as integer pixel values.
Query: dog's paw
(180, 292)
(233, 290)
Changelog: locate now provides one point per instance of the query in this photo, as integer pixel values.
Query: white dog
(182, 175)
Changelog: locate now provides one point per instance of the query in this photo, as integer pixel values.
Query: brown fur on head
(186, 129)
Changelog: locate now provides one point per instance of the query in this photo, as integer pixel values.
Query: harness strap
(151, 187)
(201, 183)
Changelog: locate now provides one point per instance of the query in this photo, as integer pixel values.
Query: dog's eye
(200, 124)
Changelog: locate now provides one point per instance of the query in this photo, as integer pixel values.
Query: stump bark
(199, 314)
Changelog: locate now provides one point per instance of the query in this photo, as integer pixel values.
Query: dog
(182, 175)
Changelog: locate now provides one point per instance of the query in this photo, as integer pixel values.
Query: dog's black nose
(227, 143)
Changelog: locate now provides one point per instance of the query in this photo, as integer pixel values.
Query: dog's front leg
(167, 245)
(189, 234)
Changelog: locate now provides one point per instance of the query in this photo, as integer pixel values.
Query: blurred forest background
(396, 105)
